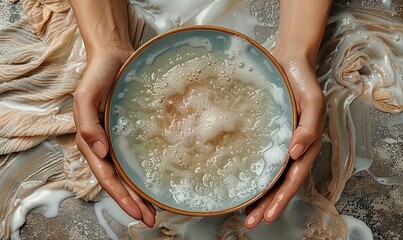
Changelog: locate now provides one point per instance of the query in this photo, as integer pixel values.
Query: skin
(103, 26)
(296, 50)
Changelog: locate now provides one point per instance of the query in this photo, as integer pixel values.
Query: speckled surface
(76, 220)
(379, 206)
(9, 12)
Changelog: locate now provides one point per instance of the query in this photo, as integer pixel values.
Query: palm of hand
(305, 143)
(89, 105)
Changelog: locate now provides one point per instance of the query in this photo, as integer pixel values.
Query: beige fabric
(42, 59)
(369, 64)
(39, 71)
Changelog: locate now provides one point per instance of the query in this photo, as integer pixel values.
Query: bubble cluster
(201, 125)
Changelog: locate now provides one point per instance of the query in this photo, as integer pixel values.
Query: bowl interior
(194, 91)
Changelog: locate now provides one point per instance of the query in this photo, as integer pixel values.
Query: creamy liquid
(160, 23)
(202, 125)
(234, 14)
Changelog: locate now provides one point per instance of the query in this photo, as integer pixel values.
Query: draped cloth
(42, 59)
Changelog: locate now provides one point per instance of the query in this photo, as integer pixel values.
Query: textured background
(379, 206)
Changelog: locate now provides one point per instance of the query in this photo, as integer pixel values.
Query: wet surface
(379, 206)
(76, 220)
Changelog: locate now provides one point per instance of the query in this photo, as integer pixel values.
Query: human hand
(306, 140)
(89, 105)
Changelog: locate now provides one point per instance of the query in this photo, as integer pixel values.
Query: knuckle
(317, 97)
(86, 131)
(280, 201)
(111, 181)
(309, 134)
(313, 134)
(315, 93)
(78, 141)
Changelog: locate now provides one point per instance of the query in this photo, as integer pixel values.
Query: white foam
(195, 42)
(357, 229)
(108, 205)
(44, 201)
(202, 121)
(213, 122)
(185, 194)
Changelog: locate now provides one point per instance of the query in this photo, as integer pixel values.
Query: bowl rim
(156, 202)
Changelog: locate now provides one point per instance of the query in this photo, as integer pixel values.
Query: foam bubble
(195, 42)
(357, 229)
(203, 125)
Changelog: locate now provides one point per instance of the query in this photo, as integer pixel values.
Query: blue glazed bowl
(162, 159)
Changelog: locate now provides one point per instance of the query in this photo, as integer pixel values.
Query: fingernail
(297, 151)
(99, 149)
(251, 220)
(270, 213)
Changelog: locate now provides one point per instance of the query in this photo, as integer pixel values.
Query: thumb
(88, 124)
(309, 128)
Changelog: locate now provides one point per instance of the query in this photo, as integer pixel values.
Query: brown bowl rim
(154, 201)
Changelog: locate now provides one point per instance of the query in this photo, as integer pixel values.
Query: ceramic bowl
(186, 127)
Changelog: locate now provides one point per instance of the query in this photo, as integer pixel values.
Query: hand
(89, 105)
(306, 140)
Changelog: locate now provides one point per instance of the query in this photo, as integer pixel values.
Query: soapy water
(204, 127)
(45, 202)
(363, 164)
(357, 229)
(395, 125)
(365, 232)
(233, 14)
(162, 24)
(108, 205)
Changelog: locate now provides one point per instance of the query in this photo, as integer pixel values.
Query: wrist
(284, 52)
(103, 25)
(97, 44)
(119, 53)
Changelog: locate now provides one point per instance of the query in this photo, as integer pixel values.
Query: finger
(255, 216)
(108, 179)
(268, 209)
(310, 126)
(295, 177)
(87, 121)
(147, 209)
